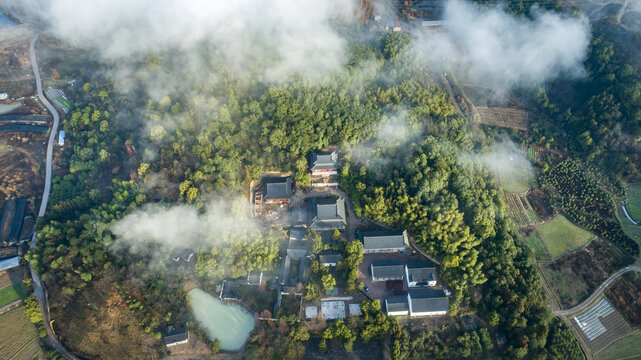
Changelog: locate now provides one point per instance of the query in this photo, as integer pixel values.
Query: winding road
(38, 289)
(590, 300)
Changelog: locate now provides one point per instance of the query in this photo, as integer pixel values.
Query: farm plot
(626, 347)
(520, 209)
(10, 277)
(561, 236)
(573, 277)
(18, 336)
(600, 324)
(512, 118)
(534, 241)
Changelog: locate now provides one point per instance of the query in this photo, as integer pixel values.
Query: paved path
(38, 289)
(590, 300)
(10, 305)
(622, 10)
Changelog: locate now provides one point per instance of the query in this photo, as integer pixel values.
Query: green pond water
(4, 108)
(230, 323)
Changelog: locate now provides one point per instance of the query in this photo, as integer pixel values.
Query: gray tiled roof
(373, 240)
(387, 268)
(397, 303)
(421, 271)
(428, 301)
(173, 335)
(324, 161)
(329, 258)
(328, 213)
(277, 188)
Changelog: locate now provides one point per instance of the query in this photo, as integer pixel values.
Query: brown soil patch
(625, 295)
(539, 201)
(22, 157)
(98, 324)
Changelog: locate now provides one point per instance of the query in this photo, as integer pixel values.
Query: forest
(230, 130)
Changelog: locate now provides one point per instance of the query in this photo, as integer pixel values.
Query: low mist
(488, 47)
(505, 159)
(182, 226)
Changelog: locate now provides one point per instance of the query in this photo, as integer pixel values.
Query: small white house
(420, 274)
(427, 303)
(396, 306)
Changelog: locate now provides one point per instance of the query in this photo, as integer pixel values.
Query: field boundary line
(619, 338)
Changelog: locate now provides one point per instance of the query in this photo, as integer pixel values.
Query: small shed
(175, 336)
(61, 137)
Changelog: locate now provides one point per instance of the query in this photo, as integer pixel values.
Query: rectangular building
(324, 163)
(397, 306)
(387, 270)
(384, 241)
(420, 274)
(427, 302)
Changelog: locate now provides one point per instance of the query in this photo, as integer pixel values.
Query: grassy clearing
(561, 236)
(11, 294)
(633, 202)
(627, 347)
(18, 336)
(535, 242)
(633, 231)
(516, 183)
(64, 102)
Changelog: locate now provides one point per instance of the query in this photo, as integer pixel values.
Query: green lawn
(633, 203)
(535, 242)
(561, 236)
(627, 347)
(11, 294)
(517, 182)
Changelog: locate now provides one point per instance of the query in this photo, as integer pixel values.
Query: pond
(5, 22)
(230, 323)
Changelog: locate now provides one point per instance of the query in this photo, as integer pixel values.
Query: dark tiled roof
(328, 213)
(325, 161)
(421, 271)
(428, 301)
(397, 303)
(277, 188)
(373, 240)
(387, 268)
(329, 258)
(173, 335)
(299, 216)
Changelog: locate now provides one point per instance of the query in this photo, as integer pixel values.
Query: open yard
(561, 236)
(18, 337)
(11, 294)
(626, 347)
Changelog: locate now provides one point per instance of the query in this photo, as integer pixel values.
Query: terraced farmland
(521, 210)
(18, 336)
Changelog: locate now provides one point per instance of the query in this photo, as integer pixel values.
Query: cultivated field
(633, 202)
(520, 209)
(15, 64)
(512, 118)
(18, 336)
(11, 294)
(626, 347)
(21, 161)
(10, 277)
(561, 236)
(573, 277)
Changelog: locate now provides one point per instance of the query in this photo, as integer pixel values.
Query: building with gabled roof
(384, 241)
(173, 336)
(9, 263)
(328, 213)
(397, 306)
(277, 189)
(329, 258)
(387, 270)
(420, 274)
(324, 163)
(427, 302)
